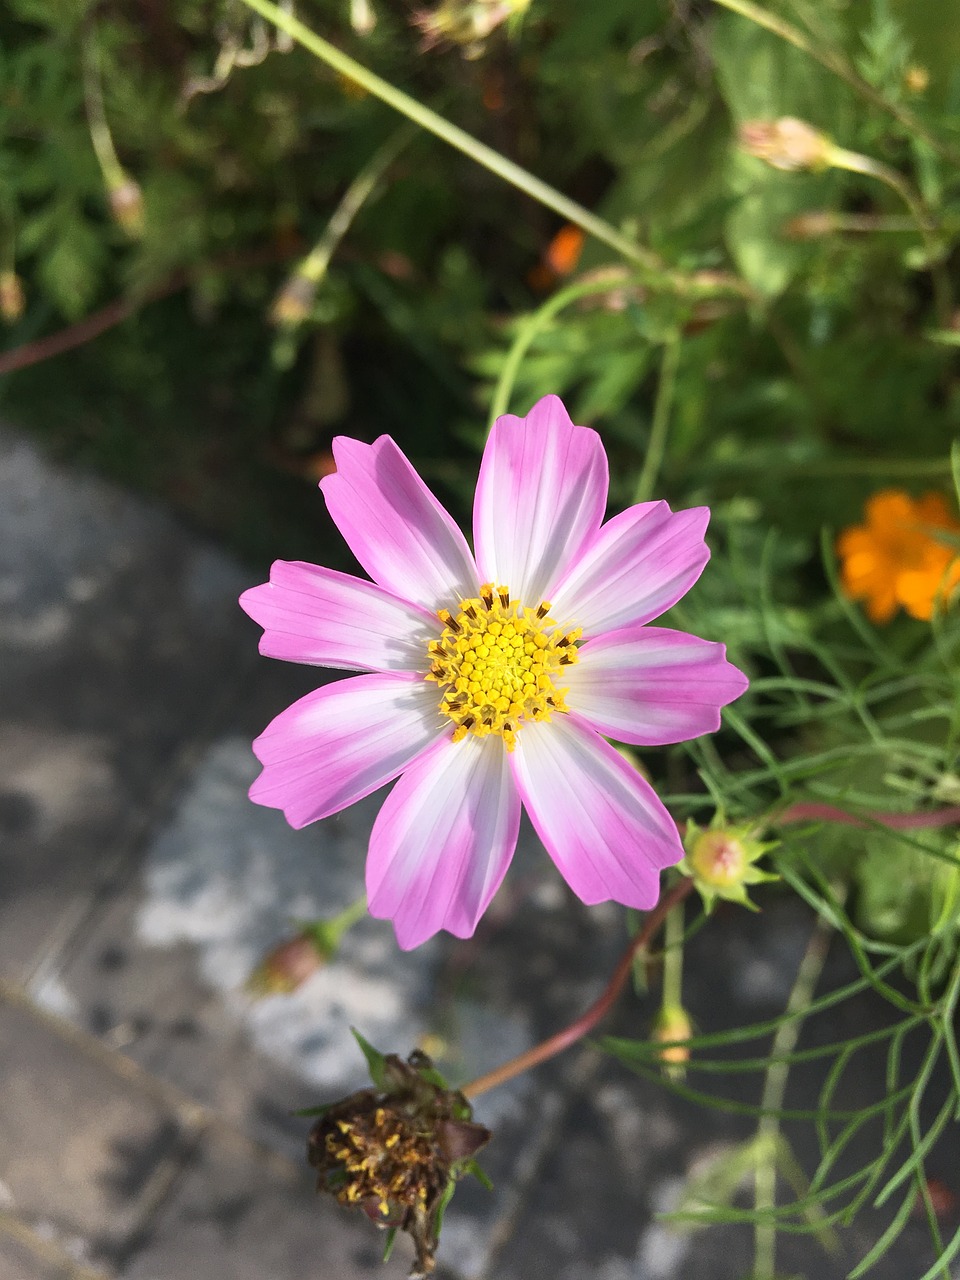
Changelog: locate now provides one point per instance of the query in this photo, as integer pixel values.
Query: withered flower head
(397, 1150)
(466, 23)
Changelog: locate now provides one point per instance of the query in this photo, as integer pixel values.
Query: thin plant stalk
(647, 480)
(672, 993)
(598, 1010)
(301, 286)
(534, 325)
(456, 137)
(113, 171)
(838, 65)
(774, 1089)
(854, 162)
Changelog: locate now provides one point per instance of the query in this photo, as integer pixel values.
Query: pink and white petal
(540, 499)
(339, 743)
(327, 619)
(639, 564)
(443, 840)
(650, 685)
(600, 821)
(395, 527)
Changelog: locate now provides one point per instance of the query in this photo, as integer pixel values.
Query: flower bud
(787, 143)
(12, 299)
(673, 1024)
(466, 23)
(287, 966)
(721, 861)
(126, 205)
(294, 302)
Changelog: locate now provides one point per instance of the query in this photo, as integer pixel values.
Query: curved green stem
(646, 483)
(292, 304)
(456, 137)
(854, 162)
(534, 325)
(838, 65)
(100, 135)
(774, 1088)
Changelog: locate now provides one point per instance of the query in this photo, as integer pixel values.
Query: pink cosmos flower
(493, 679)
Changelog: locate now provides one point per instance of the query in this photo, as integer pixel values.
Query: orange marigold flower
(563, 251)
(896, 560)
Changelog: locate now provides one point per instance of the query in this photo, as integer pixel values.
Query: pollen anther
(496, 663)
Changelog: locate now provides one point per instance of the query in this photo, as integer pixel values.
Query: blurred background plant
(727, 233)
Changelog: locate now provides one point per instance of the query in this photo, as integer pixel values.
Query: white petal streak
(443, 840)
(641, 562)
(602, 824)
(395, 527)
(540, 498)
(328, 619)
(339, 743)
(651, 685)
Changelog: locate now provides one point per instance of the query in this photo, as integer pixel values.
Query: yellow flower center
(497, 663)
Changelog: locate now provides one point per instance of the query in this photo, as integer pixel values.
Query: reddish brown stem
(91, 326)
(598, 1010)
(804, 811)
(811, 811)
(75, 335)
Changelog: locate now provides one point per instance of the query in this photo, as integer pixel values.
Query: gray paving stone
(236, 1216)
(119, 633)
(80, 1147)
(18, 1262)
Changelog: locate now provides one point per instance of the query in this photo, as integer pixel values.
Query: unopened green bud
(721, 859)
(287, 966)
(672, 1027)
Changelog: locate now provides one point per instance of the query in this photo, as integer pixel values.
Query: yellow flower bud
(673, 1024)
(12, 299)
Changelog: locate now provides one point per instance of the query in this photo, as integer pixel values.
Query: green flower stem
(838, 65)
(339, 924)
(536, 323)
(314, 266)
(854, 162)
(611, 280)
(113, 171)
(841, 467)
(774, 1088)
(672, 995)
(456, 137)
(647, 481)
(598, 1010)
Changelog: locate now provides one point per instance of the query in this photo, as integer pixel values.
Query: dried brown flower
(396, 1150)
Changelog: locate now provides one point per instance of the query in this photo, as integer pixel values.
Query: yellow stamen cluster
(497, 663)
(383, 1160)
